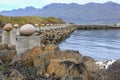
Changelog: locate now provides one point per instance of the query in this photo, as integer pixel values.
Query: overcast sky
(15, 4)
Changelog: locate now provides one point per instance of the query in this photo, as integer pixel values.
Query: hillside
(28, 19)
(108, 12)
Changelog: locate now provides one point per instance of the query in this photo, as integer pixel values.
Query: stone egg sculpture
(16, 25)
(8, 27)
(27, 30)
(36, 25)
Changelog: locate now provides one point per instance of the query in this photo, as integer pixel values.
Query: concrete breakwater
(42, 35)
(87, 27)
(56, 34)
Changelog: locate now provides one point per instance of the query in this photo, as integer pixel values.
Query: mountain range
(90, 13)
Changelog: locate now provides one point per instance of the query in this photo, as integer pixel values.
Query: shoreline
(49, 62)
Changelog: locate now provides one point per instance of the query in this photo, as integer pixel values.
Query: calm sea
(99, 44)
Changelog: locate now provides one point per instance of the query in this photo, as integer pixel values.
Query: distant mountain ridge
(91, 13)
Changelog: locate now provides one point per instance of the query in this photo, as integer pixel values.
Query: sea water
(99, 44)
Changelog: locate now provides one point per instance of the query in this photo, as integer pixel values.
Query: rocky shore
(48, 62)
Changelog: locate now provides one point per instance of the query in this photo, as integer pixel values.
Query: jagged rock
(112, 73)
(16, 75)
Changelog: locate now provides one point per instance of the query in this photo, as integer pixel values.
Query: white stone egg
(16, 25)
(27, 30)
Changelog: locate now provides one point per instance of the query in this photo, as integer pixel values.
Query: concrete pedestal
(26, 42)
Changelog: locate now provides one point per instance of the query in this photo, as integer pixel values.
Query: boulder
(67, 54)
(91, 64)
(55, 67)
(29, 55)
(62, 68)
(7, 55)
(112, 73)
(16, 59)
(52, 47)
(34, 52)
(16, 75)
(88, 58)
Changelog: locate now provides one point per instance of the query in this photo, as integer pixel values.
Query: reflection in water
(99, 44)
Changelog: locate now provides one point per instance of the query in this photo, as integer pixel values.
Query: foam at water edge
(104, 64)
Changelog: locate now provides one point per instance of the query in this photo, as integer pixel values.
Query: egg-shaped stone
(16, 25)
(36, 25)
(8, 27)
(27, 30)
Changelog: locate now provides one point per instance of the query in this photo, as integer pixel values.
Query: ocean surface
(99, 44)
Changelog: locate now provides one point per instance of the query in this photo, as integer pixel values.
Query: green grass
(28, 19)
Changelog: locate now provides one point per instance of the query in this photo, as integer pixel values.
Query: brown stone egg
(27, 30)
(8, 27)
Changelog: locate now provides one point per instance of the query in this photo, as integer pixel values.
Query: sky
(15, 4)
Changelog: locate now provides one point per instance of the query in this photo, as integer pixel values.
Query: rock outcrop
(7, 52)
(112, 73)
(49, 62)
